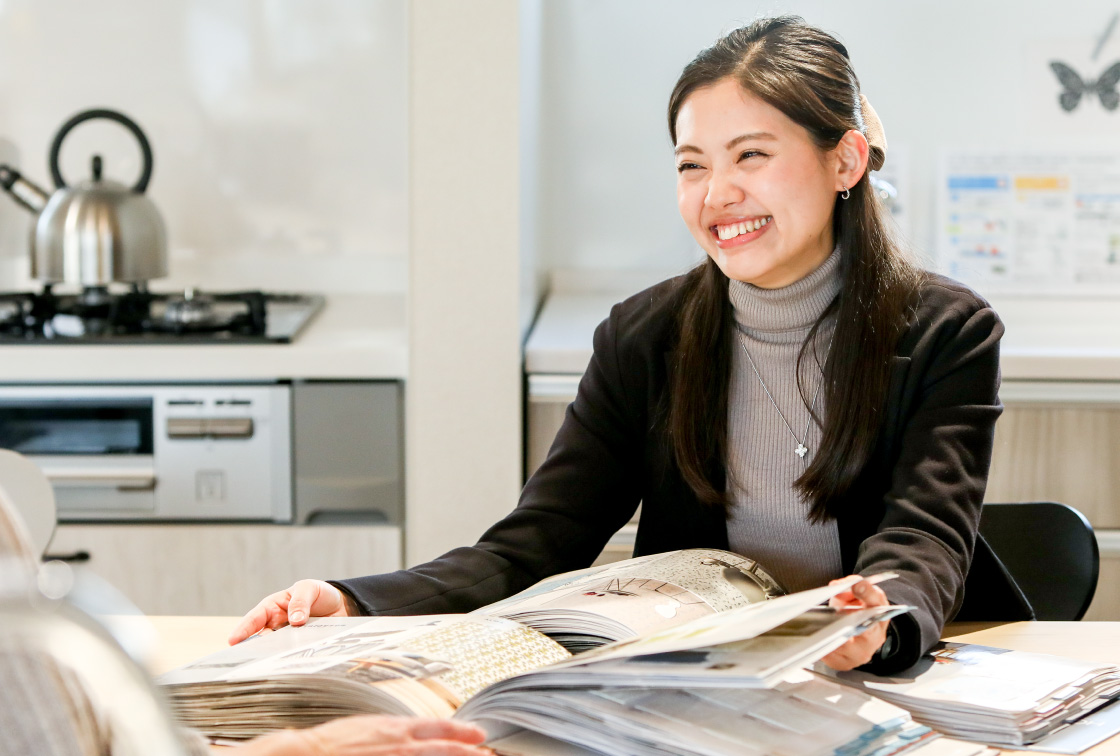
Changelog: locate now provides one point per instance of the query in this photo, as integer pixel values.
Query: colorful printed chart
(1031, 223)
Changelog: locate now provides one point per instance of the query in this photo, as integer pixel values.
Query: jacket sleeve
(586, 489)
(932, 506)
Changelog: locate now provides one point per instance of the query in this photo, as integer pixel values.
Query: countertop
(354, 336)
(1046, 339)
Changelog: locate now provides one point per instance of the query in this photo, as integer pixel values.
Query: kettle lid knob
(95, 167)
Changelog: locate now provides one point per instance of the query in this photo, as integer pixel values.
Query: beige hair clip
(873, 130)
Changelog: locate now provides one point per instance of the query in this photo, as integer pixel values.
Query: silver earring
(846, 193)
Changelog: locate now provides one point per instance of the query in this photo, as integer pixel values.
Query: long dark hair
(804, 73)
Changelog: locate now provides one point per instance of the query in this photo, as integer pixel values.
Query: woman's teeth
(735, 229)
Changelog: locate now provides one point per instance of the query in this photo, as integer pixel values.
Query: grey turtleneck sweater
(768, 519)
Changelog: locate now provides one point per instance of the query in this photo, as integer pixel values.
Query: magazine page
(418, 666)
(727, 627)
(637, 596)
(219, 665)
(464, 653)
(753, 662)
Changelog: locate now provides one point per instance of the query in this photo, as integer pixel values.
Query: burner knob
(192, 309)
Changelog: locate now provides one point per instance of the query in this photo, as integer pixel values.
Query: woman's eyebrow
(752, 136)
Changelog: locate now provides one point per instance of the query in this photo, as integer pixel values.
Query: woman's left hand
(860, 649)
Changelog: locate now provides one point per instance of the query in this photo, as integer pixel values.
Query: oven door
(95, 446)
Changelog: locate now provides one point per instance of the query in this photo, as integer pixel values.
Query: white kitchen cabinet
(223, 569)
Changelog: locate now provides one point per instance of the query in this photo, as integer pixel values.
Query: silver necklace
(801, 449)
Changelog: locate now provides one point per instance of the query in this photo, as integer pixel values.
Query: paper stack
(1001, 697)
(803, 715)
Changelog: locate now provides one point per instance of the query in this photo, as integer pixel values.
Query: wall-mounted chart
(1031, 223)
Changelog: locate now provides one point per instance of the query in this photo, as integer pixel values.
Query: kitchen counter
(354, 336)
(1046, 339)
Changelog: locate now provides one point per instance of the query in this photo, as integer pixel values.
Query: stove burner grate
(96, 315)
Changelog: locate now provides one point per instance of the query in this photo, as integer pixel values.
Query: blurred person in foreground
(46, 709)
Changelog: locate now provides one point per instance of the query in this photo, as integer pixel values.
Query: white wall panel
(463, 401)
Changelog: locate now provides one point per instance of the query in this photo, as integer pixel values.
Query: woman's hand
(307, 598)
(373, 736)
(860, 649)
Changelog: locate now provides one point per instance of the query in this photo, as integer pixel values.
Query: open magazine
(703, 667)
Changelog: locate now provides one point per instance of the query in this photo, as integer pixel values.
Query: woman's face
(754, 190)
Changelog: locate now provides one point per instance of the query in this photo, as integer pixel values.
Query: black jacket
(914, 509)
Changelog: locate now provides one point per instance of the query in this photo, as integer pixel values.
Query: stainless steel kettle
(98, 232)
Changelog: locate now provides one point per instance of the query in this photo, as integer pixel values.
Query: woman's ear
(851, 159)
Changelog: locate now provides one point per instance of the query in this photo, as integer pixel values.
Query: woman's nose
(723, 190)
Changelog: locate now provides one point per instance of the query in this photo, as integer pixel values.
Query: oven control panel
(213, 452)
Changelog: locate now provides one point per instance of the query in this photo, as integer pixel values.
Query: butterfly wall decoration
(1104, 87)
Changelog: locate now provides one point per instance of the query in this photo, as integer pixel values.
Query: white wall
(950, 73)
(280, 130)
(530, 61)
(463, 405)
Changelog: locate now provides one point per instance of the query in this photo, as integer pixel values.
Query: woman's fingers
(859, 596)
(870, 594)
(859, 650)
(271, 612)
(313, 598)
(307, 598)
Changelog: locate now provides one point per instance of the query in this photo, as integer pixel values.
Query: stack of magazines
(801, 716)
(1001, 697)
(702, 663)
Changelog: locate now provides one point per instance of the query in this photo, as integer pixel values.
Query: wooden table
(184, 639)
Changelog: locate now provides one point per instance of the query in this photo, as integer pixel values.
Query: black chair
(1050, 551)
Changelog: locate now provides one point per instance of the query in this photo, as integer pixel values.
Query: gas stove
(97, 315)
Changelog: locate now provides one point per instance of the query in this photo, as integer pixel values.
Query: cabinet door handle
(73, 557)
(122, 479)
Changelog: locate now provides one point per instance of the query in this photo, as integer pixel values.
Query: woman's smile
(733, 233)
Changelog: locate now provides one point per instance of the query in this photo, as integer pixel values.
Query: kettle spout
(23, 191)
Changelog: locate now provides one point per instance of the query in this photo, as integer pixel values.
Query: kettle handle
(111, 115)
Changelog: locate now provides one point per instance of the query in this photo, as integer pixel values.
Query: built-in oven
(157, 452)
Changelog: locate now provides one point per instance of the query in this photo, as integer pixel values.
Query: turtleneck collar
(791, 308)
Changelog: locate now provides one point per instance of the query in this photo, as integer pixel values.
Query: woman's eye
(749, 154)
(686, 167)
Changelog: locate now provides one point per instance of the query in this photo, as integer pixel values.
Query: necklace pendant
(801, 450)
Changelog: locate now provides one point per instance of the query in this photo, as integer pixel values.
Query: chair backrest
(1051, 552)
(25, 496)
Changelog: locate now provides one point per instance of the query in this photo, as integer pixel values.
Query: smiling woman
(754, 190)
(806, 396)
